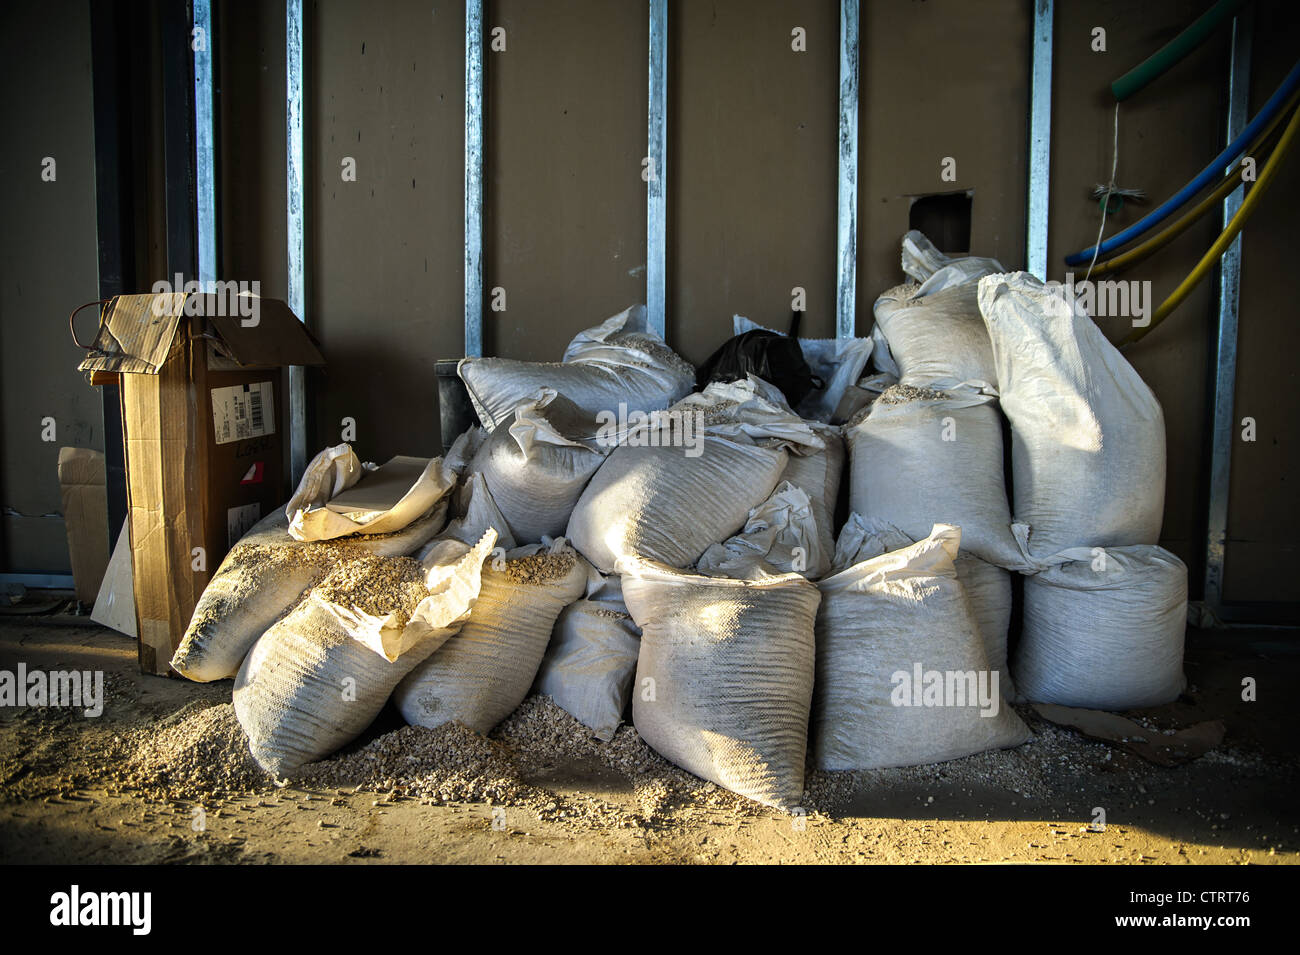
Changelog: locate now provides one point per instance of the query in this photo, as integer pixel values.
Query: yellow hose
(1225, 238)
(1161, 239)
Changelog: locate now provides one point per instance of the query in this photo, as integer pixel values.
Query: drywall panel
(752, 128)
(944, 108)
(47, 268)
(384, 143)
(1264, 503)
(564, 207)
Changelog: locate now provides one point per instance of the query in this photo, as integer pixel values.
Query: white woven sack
(1103, 629)
(319, 677)
(319, 523)
(591, 661)
(725, 675)
(670, 503)
(819, 474)
(481, 674)
(779, 537)
(987, 587)
(887, 629)
(265, 575)
(1087, 434)
(928, 460)
(621, 361)
(329, 473)
(923, 262)
(537, 467)
(937, 340)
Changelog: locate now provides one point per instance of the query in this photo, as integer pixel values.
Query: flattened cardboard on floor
(203, 425)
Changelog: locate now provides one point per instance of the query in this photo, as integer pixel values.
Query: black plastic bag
(774, 357)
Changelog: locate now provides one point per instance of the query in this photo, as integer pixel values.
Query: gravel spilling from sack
(896, 395)
(540, 568)
(257, 563)
(902, 394)
(376, 586)
(655, 349)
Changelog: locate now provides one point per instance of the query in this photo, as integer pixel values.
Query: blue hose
(1211, 172)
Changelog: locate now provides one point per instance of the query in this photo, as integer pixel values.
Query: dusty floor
(70, 791)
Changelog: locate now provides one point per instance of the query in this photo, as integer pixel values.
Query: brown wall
(565, 107)
(47, 267)
(752, 168)
(941, 79)
(1264, 505)
(751, 186)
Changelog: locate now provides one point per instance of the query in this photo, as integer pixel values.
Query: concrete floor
(1235, 805)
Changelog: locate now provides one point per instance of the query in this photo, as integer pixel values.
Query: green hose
(1173, 51)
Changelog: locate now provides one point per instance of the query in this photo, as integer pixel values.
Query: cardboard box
(85, 514)
(203, 421)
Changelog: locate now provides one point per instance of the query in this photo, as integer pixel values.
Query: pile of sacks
(616, 541)
(1104, 606)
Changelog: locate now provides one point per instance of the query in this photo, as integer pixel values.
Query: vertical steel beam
(295, 194)
(1040, 140)
(1225, 367)
(656, 246)
(474, 178)
(178, 139)
(846, 245)
(205, 159)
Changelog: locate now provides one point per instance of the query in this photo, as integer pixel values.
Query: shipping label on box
(242, 411)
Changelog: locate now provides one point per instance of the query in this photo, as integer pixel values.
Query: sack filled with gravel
(319, 677)
(265, 575)
(725, 675)
(479, 676)
(779, 537)
(591, 660)
(818, 475)
(920, 456)
(931, 328)
(1087, 433)
(1103, 629)
(669, 490)
(902, 675)
(620, 361)
(537, 466)
(988, 587)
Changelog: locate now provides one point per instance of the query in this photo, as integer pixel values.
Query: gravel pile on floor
(454, 764)
(198, 752)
